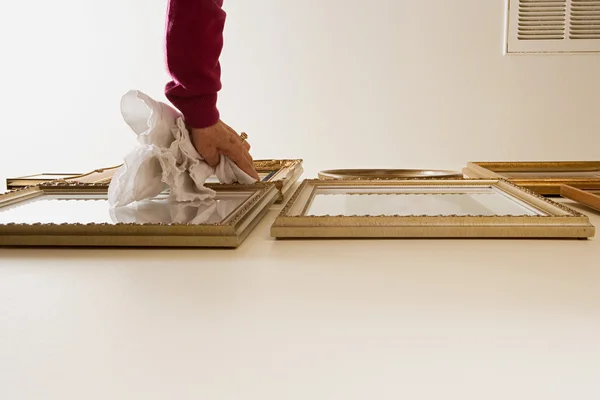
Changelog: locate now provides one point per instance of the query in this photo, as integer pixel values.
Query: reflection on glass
(404, 201)
(86, 209)
(164, 212)
(551, 174)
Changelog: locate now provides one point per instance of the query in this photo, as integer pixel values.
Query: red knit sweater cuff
(198, 111)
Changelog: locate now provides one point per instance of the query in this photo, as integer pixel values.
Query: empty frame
(543, 177)
(589, 198)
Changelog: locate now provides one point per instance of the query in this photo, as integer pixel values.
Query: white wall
(340, 83)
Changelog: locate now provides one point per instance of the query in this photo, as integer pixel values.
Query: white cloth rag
(164, 158)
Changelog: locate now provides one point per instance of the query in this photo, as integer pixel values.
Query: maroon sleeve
(194, 40)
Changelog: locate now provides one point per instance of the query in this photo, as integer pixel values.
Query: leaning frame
(229, 233)
(589, 198)
(287, 173)
(548, 186)
(282, 173)
(558, 221)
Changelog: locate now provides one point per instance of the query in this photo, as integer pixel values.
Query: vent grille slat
(542, 19)
(585, 20)
(552, 26)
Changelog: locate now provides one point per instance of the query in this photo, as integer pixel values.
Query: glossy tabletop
(341, 319)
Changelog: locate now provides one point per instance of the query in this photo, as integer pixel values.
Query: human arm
(194, 41)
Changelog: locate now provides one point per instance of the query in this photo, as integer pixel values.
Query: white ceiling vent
(553, 26)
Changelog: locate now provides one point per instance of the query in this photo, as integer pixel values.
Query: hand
(220, 139)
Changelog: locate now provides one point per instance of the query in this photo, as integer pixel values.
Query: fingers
(245, 143)
(235, 142)
(233, 131)
(246, 154)
(230, 144)
(211, 156)
(240, 156)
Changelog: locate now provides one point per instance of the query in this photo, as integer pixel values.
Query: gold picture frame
(589, 197)
(542, 177)
(77, 214)
(396, 174)
(101, 175)
(31, 180)
(283, 173)
(537, 217)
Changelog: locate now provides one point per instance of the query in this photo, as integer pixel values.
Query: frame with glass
(473, 208)
(78, 214)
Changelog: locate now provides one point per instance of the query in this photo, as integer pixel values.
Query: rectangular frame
(543, 186)
(229, 233)
(101, 175)
(284, 173)
(558, 222)
(31, 180)
(585, 197)
(287, 174)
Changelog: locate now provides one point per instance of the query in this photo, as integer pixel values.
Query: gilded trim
(544, 186)
(558, 219)
(228, 233)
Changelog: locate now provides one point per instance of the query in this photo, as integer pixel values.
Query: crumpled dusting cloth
(165, 158)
